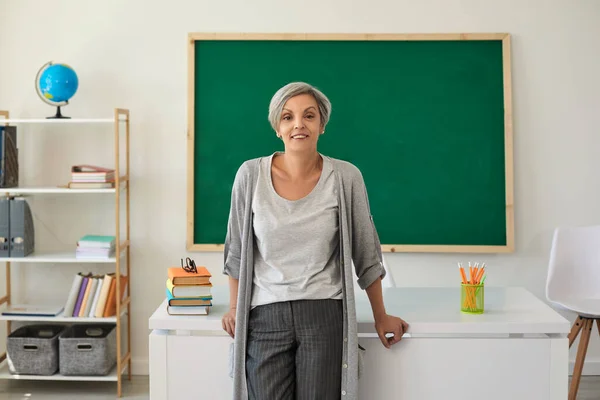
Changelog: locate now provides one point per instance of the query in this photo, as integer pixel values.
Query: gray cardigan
(359, 246)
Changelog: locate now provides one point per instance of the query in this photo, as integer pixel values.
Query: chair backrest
(388, 279)
(574, 266)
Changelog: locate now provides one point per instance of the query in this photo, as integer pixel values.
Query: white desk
(517, 349)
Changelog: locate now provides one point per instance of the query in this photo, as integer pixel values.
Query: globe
(56, 84)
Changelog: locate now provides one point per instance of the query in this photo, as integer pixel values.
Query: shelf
(5, 374)
(57, 257)
(60, 318)
(52, 189)
(59, 121)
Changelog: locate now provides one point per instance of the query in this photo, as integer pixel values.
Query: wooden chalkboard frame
(508, 127)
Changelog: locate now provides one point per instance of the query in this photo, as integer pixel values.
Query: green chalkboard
(427, 121)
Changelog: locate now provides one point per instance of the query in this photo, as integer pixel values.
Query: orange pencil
(464, 281)
(470, 272)
(480, 275)
(462, 273)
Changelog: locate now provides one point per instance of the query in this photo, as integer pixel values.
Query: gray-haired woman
(298, 222)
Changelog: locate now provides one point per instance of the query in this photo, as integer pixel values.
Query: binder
(9, 157)
(21, 232)
(4, 227)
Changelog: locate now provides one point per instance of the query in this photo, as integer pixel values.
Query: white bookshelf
(5, 374)
(119, 123)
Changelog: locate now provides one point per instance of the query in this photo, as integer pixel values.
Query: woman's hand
(228, 322)
(390, 324)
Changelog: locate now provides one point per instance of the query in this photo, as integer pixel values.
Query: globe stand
(58, 115)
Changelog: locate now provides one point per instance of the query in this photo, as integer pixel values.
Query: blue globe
(56, 84)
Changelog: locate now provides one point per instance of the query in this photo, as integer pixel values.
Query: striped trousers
(294, 350)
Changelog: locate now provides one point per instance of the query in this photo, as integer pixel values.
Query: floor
(137, 389)
(589, 388)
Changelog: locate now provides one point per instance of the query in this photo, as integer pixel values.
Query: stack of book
(188, 293)
(91, 177)
(95, 246)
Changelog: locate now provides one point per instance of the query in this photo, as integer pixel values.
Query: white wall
(131, 54)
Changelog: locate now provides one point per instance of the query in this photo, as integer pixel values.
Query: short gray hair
(294, 89)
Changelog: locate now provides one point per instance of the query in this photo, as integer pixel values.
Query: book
(188, 310)
(89, 298)
(92, 179)
(86, 296)
(188, 301)
(92, 310)
(189, 290)
(101, 241)
(85, 172)
(91, 185)
(179, 276)
(92, 252)
(27, 310)
(83, 168)
(110, 309)
(73, 293)
(101, 304)
(82, 289)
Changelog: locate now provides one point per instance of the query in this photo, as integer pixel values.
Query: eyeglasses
(190, 265)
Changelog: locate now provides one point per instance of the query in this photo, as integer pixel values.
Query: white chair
(388, 279)
(386, 282)
(573, 283)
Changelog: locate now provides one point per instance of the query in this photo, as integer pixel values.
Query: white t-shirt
(296, 253)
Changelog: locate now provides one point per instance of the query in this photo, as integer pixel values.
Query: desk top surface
(428, 310)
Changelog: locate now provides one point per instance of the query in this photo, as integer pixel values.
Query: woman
(298, 222)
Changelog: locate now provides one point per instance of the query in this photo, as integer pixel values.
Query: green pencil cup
(472, 298)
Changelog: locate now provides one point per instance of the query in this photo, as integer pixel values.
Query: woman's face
(300, 124)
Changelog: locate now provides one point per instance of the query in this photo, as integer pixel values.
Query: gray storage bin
(33, 350)
(88, 349)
